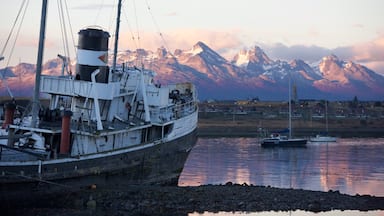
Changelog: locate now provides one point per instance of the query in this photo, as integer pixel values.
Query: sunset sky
(284, 29)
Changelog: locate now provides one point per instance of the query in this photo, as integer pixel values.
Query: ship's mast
(36, 96)
(116, 36)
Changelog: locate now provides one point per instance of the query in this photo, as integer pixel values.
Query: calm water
(352, 166)
(297, 213)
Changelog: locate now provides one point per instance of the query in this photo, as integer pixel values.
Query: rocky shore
(172, 200)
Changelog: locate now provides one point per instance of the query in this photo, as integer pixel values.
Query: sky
(284, 29)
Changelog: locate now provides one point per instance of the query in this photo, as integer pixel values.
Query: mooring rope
(39, 180)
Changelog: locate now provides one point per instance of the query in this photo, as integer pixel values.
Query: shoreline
(247, 131)
(171, 200)
(251, 126)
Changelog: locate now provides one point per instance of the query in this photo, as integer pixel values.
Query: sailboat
(117, 126)
(324, 137)
(278, 140)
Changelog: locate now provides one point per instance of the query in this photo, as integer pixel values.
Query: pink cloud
(371, 54)
(224, 42)
(369, 51)
(34, 41)
(28, 42)
(377, 66)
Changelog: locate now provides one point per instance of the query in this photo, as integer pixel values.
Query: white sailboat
(324, 137)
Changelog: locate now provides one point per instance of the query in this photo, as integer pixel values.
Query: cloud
(226, 43)
(26, 49)
(306, 53)
(370, 54)
(370, 51)
(375, 66)
(34, 42)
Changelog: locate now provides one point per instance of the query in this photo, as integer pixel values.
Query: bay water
(351, 166)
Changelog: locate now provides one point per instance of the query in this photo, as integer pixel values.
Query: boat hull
(323, 139)
(283, 143)
(160, 163)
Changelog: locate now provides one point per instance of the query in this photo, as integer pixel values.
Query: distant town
(248, 117)
(301, 109)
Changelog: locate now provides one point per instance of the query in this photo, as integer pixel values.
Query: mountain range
(250, 74)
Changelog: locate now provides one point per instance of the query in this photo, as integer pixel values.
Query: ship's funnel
(92, 54)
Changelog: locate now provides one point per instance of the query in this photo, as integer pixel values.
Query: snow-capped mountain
(251, 73)
(254, 60)
(344, 77)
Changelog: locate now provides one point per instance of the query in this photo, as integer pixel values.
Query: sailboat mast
(116, 36)
(290, 107)
(326, 116)
(36, 96)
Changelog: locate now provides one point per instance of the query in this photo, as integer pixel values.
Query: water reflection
(299, 213)
(350, 165)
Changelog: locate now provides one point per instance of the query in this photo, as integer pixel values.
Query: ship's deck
(90, 127)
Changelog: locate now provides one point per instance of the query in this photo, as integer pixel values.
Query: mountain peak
(259, 56)
(258, 51)
(205, 51)
(331, 57)
(202, 45)
(253, 56)
(332, 61)
(162, 52)
(198, 48)
(297, 63)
